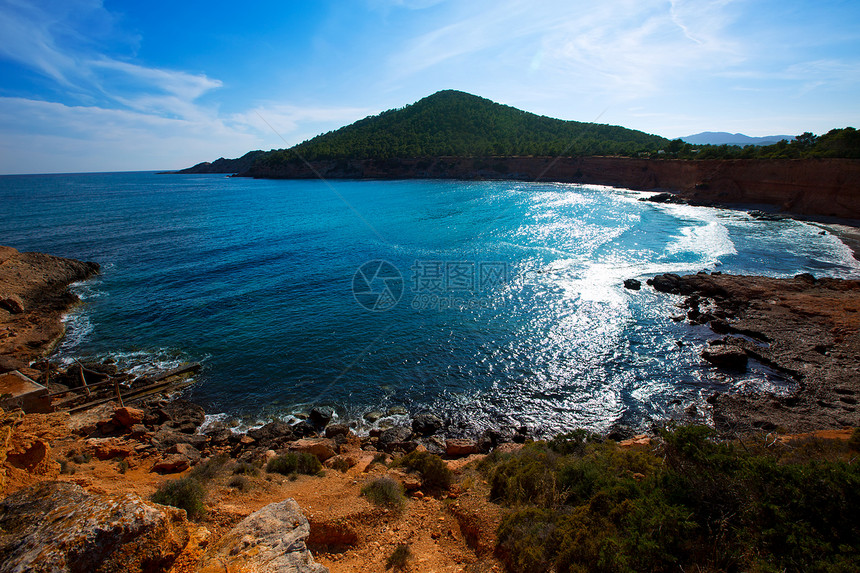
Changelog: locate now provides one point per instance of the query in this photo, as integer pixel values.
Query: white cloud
(294, 123)
(619, 47)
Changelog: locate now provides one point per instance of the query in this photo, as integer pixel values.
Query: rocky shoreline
(807, 329)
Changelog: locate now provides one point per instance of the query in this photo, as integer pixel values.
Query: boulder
(373, 416)
(270, 540)
(433, 444)
(632, 284)
(56, 526)
(461, 448)
(127, 417)
(171, 464)
(426, 424)
(726, 356)
(321, 416)
(191, 453)
(336, 430)
(110, 448)
(12, 303)
(393, 437)
(304, 429)
(273, 435)
(180, 414)
(669, 282)
(165, 439)
(322, 448)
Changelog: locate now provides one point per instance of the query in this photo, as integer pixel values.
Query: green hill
(454, 123)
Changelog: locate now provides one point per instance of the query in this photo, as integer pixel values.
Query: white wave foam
(78, 327)
(709, 241)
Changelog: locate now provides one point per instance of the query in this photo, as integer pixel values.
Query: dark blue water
(511, 307)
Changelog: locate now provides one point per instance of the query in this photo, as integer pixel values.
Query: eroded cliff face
(829, 187)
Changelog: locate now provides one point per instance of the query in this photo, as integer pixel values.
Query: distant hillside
(454, 123)
(221, 165)
(739, 139)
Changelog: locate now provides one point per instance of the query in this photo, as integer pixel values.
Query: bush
(397, 560)
(698, 503)
(186, 493)
(528, 476)
(207, 470)
(245, 469)
(295, 463)
(384, 492)
(434, 472)
(240, 482)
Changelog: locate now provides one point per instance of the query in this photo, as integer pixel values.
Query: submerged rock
(55, 526)
(270, 540)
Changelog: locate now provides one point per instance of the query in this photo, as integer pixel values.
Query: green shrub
(398, 559)
(528, 476)
(245, 469)
(186, 493)
(295, 463)
(573, 442)
(697, 503)
(384, 492)
(434, 472)
(207, 470)
(240, 482)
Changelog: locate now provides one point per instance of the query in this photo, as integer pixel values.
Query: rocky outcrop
(271, 540)
(33, 295)
(803, 186)
(805, 329)
(58, 527)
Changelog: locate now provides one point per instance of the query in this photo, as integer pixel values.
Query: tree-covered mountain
(454, 123)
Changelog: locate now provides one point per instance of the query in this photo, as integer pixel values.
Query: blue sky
(109, 86)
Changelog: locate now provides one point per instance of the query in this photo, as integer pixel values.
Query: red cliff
(829, 187)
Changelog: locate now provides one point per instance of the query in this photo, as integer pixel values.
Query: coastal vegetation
(294, 463)
(384, 492)
(186, 493)
(578, 503)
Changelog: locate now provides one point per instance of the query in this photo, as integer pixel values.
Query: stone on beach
(270, 540)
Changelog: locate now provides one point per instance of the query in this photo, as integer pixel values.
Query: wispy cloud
(122, 113)
(616, 46)
(296, 119)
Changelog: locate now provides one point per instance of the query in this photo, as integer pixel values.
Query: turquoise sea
(488, 302)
